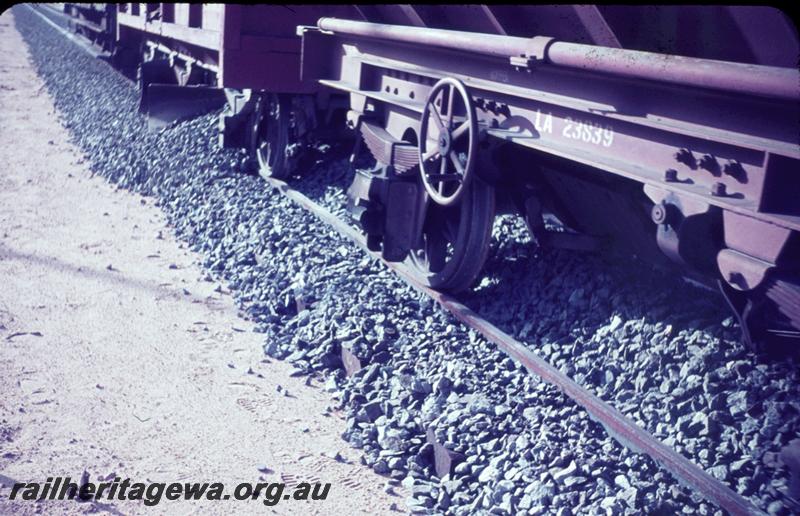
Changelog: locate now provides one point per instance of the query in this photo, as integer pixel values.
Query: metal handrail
(752, 79)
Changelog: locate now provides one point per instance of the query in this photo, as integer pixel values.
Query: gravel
(661, 353)
(665, 353)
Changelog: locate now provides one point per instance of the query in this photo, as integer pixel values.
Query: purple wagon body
(244, 44)
(250, 43)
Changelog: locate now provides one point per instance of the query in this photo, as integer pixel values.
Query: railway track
(623, 429)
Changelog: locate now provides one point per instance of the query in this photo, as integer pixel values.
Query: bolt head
(444, 143)
(659, 213)
(709, 163)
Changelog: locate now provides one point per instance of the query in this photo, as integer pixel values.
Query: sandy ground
(118, 360)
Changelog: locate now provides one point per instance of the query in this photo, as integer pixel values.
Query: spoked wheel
(448, 141)
(455, 240)
(272, 135)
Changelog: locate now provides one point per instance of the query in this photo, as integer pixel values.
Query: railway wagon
(680, 159)
(94, 21)
(188, 56)
(667, 132)
(249, 49)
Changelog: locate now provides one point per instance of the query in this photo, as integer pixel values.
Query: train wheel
(272, 135)
(455, 239)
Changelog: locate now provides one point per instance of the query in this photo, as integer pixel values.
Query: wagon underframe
(714, 157)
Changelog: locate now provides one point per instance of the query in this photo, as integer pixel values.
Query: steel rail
(751, 79)
(618, 426)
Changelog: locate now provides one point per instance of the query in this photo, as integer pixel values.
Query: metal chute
(167, 103)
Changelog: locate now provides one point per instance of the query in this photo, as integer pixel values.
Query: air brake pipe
(689, 71)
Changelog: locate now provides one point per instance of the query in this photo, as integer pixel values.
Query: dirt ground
(117, 359)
